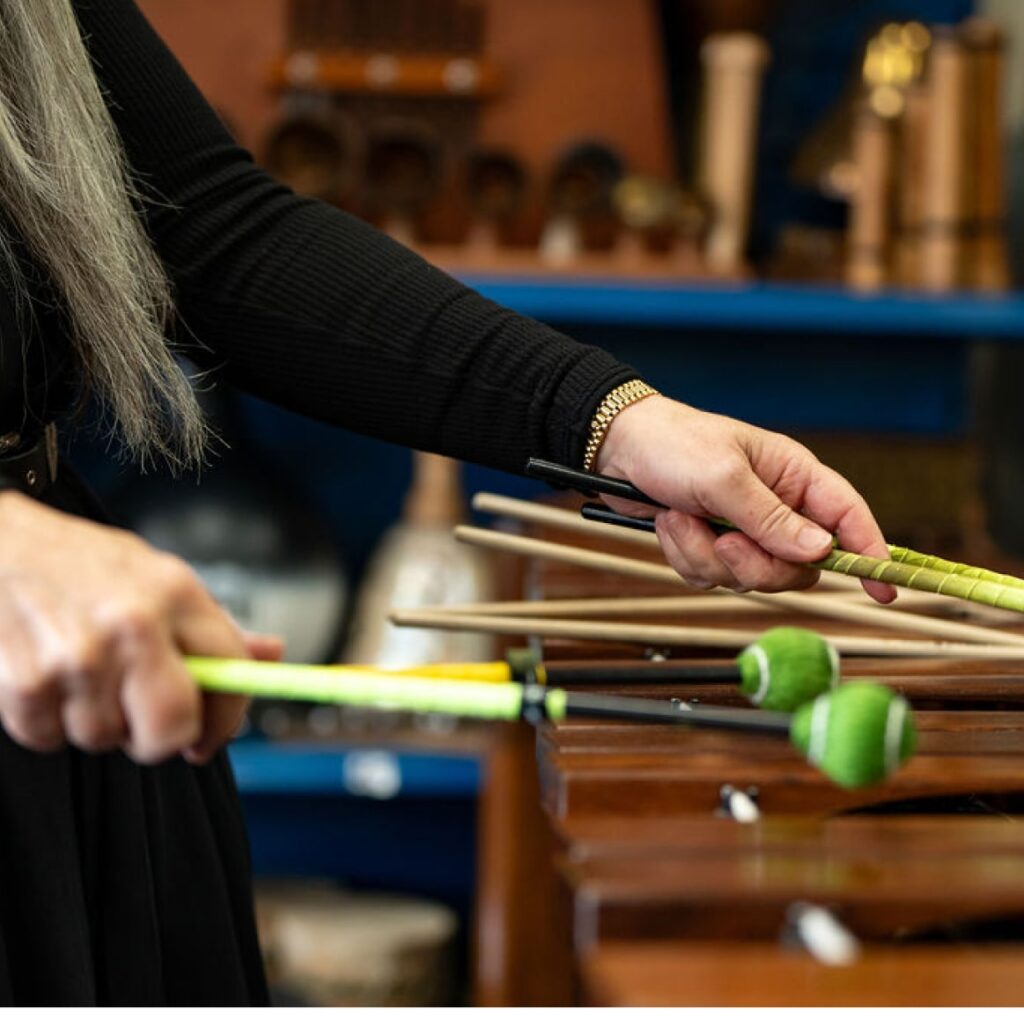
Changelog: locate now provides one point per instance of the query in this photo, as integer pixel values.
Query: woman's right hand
(93, 626)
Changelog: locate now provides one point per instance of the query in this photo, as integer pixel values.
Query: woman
(123, 870)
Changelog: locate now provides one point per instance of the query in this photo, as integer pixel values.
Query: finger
(264, 648)
(161, 701)
(80, 661)
(90, 684)
(755, 569)
(834, 502)
(92, 714)
(636, 509)
(223, 715)
(688, 545)
(212, 632)
(749, 503)
(29, 700)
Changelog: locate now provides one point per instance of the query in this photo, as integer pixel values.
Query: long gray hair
(65, 187)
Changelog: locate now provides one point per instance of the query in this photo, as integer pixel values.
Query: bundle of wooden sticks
(924, 624)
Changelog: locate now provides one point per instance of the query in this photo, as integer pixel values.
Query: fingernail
(813, 538)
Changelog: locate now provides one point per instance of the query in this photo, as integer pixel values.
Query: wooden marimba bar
(644, 892)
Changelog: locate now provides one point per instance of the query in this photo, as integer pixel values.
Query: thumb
(772, 524)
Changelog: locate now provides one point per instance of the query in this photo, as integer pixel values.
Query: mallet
(782, 669)
(857, 735)
(904, 568)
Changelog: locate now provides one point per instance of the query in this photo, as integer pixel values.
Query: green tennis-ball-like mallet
(784, 668)
(858, 736)
(848, 740)
(787, 667)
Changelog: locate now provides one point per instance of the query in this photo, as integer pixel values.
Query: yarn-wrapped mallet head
(786, 668)
(858, 735)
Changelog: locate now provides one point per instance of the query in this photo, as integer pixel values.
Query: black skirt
(122, 884)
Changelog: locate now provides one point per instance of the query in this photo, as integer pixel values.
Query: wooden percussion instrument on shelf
(317, 151)
(403, 169)
(638, 864)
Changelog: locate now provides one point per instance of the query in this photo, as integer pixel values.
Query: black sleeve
(310, 308)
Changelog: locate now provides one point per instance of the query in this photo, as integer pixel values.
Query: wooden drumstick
(714, 602)
(867, 261)
(886, 618)
(560, 518)
(597, 607)
(944, 195)
(734, 64)
(685, 636)
(989, 263)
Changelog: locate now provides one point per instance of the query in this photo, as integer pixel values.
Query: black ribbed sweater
(129, 885)
(314, 310)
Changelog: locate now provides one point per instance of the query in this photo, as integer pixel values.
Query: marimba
(628, 883)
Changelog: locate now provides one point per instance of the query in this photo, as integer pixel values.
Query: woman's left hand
(785, 502)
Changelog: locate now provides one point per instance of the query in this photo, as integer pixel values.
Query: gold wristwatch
(611, 405)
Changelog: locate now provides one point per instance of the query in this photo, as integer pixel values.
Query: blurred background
(801, 214)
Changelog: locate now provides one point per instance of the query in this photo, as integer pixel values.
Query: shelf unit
(754, 307)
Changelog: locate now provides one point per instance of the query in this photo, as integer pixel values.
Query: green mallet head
(787, 667)
(857, 735)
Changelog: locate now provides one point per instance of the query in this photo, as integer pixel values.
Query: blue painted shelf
(263, 768)
(755, 307)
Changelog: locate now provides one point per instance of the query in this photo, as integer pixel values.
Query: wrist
(608, 412)
(639, 433)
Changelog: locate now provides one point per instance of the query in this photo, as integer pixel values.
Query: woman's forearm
(318, 312)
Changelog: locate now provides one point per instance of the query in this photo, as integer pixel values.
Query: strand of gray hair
(66, 189)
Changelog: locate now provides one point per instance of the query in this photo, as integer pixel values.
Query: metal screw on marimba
(656, 654)
(31, 478)
(817, 930)
(739, 804)
(679, 704)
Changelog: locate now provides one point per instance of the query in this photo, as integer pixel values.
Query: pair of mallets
(857, 734)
